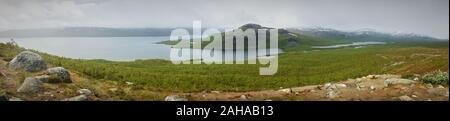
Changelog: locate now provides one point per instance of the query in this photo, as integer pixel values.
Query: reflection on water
(354, 44)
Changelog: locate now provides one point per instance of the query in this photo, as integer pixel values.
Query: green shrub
(437, 77)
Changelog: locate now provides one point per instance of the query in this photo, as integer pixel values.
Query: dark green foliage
(437, 77)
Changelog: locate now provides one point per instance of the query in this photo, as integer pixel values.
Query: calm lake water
(354, 44)
(111, 48)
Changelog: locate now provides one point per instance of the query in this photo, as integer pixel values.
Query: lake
(108, 48)
(354, 44)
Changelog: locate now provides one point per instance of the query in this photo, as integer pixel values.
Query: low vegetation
(437, 77)
(297, 67)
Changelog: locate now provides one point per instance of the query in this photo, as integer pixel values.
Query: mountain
(292, 36)
(87, 32)
(361, 35)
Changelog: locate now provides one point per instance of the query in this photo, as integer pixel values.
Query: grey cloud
(430, 17)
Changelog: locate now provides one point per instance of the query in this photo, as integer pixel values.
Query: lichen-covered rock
(30, 84)
(43, 78)
(28, 61)
(393, 81)
(85, 91)
(58, 75)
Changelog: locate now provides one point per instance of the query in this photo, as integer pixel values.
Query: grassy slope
(296, 68)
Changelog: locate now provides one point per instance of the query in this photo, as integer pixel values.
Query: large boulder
(85, 91)
(58, 75)
(30, 84)
(28, 61)
(394, 81)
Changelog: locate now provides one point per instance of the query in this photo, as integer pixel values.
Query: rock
(267, 100)
(217, 92)
(243, 97)
(414, 96)
(28, 61)
(49, 94)
(331, 94)
(327, 85)
(371, 77)
(59, 75)
(175, 98)
(77, 98)
(416, 79)
(429, 85)
(288, 90)
(129, 83)
(30, 84)
(358, 87)
(43, 78)
(440, 86)
(372, 87)
(85, 92)
(312, 91)
(437, 91)
(305, 88)
(405, 98)
(341, 85)
(404, 88)
(14, 99)
(393, 81)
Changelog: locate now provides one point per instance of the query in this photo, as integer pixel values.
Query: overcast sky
(429, 17)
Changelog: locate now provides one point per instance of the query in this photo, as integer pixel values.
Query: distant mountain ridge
(324, 33)
(361, 35)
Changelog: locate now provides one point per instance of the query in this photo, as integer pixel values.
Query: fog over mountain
(424, 17)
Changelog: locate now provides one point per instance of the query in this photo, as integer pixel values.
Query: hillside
(302, 39)
(318, 79)
(362, 35)
(300, 66)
